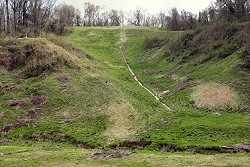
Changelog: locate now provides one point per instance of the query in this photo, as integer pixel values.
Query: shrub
(214, 41)
(155, 41)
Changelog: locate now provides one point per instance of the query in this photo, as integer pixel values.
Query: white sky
(153, 6)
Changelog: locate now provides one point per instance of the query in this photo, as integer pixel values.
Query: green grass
(45, 154)
(187, 125)
(88, 112)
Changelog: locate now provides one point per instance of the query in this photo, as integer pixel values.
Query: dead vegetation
(110, 155)
(19, 103)
(214, 41)
(9, 87)
(37, 100)
(17, 124)
(58, 138)
(120, 116)
(33, 58)
(216, 96)
(67, 46)
(62, 78)
(135, 144)
(188, 83)
(246, 59)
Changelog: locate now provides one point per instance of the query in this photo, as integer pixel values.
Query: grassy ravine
(186, 126)
(81, 111)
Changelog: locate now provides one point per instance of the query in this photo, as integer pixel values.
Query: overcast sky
(153, 6)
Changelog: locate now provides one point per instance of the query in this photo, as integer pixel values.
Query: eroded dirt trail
(123, 39)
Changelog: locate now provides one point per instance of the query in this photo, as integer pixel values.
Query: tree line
(33, 16)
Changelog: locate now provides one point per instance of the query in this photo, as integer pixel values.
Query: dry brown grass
(121, 120)
(216, 96)
(35, 57)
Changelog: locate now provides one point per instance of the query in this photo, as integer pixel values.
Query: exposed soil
(111, 155)
(58, 138)
(34, 112)
(135, 144)
(31, 114)
(237, 148)
(19, 103)
(185, 85)
(62, 78)
(18, 124)
(39, 100)
(9, 87)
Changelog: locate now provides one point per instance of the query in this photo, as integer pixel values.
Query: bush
(214, 41)
(155, 41)
(246, 58)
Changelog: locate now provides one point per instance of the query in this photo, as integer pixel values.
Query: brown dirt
(19, 103)
(63, 78)
(135, 144)
(58, 138)
(34, 112)
(39, 100)
(240, 147)
(30, 114)
(18, 124)
(216, 96)
(10, 87)
(111, 155)
(185, 84)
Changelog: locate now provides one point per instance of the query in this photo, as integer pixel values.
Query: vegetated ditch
(59, 137)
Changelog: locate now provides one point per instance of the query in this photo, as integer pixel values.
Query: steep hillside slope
(47, 93)
(192, 84)
(56, 92)
(186, 125)
(212, 54)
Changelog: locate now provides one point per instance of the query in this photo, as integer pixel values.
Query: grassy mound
(33, 57)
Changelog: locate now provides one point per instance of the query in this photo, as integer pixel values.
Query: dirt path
(123, 39)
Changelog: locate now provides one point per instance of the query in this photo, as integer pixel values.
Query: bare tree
(91, 13)
(2, 17)
(162, 18)
(233, 9)
(78, 17)
(7, 16)
(135, 17)
(173, 21)
(114, 18)
(66, 14)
